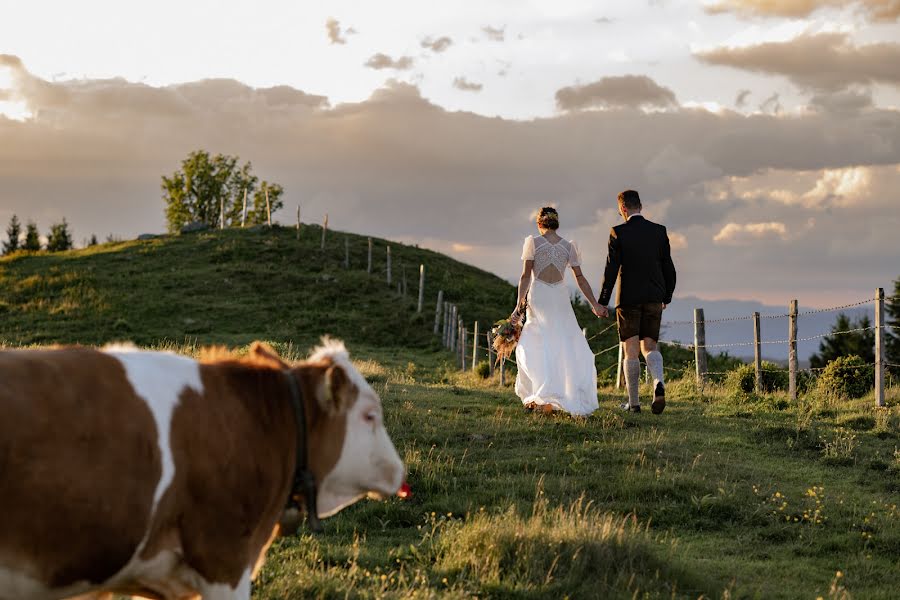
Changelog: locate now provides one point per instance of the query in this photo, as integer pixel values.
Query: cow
(159, 476)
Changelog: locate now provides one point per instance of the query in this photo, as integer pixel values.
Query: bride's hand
(601, 311)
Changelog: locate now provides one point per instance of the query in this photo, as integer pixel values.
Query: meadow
(726, 495)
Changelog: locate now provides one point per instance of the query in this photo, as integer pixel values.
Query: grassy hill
(234, 286)
(726, 495)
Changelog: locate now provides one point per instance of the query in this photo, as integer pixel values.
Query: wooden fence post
(503, 373)
(879, 347)
(454, 330)
(369, 267)
(584, 331)
(421, 287)
(475, 347)
(268, 209)
(793, 365)
(346, 252)
(324, 230)
(445, 327)
(244, 211)
(700, 345)
(464, 346)
(757, 353)
(389, 265)
(437, 312)
(222, 212)
(620, 367)
(490, 351)
(298, 221)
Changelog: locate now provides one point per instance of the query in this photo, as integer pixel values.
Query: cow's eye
(371, 417)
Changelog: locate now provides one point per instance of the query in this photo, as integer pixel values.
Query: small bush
(483, 369)
(774, 378)
(846, 377)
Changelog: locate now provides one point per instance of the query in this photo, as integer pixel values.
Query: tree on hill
(12, 234)
(60, 237)
(859, 343)
(93, 241)
(32, 238)
(205, 183)
(892, 333)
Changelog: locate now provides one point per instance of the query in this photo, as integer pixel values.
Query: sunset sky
(765, 134)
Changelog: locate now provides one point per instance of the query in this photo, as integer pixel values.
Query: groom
(639, 257)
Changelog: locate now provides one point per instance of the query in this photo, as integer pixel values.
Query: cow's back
(80, 463)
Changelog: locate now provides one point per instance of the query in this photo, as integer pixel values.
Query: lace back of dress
(550, 260)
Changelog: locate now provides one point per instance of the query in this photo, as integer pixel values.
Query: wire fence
(474, 343)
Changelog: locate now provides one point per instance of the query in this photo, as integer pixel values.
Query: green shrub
(483, 369)
(774, 378)
(846, 377)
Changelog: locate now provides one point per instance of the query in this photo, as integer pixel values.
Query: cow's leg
(220, 591)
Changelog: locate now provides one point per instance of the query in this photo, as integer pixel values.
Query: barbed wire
(768, 342)
(776, 316)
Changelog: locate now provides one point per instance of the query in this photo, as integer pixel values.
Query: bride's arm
(585, 288)
(524, 283)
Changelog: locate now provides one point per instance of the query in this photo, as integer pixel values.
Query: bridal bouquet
(506, 334)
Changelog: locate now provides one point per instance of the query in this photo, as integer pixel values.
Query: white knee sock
(655, 366)
(633, 380)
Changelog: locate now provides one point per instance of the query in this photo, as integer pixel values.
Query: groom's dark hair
(630, 200)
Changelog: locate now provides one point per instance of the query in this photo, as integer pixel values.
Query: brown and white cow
(155, 475)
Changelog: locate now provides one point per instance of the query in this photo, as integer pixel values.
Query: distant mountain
(771, 329)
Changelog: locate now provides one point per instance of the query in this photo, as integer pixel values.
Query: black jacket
(640, 258)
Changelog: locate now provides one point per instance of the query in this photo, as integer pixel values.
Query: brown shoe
(547, 409)
(659, 399)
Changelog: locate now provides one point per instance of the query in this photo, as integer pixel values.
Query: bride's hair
(548, 218)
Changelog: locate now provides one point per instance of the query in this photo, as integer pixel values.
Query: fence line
(450, 326)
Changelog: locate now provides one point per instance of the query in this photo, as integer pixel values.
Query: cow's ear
(340, 392)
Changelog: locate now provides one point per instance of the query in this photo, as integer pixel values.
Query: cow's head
(351, 455)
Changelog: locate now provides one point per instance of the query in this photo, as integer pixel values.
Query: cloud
(824, 61)
(843, 102)
(335, 35)
(876, 10)
(461, 83)
(383, 61)
(495, 34)
(603, 21)
(741, 99)
(437, 45)
(616, 92)
(677, 241)
(746, 233)
(396, 165)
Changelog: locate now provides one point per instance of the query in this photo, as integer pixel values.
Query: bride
(556, 365)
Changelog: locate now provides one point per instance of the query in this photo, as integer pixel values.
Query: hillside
(726, 495)
(233, 286)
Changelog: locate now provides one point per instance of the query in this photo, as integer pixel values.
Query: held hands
(601, 311)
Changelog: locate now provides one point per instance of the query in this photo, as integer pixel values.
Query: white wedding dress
(556, 365)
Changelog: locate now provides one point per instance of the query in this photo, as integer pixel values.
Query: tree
(892, 333)
(93, 240)
(204, 184)
(60, 238)
(12, 234)
(32, 238)
(859, 343)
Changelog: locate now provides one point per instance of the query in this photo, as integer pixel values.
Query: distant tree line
(207, 186)
(845, 340)
(59, 238)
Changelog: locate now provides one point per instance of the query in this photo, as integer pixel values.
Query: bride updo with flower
(548, 218)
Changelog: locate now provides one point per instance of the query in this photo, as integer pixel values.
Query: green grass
(726, 495)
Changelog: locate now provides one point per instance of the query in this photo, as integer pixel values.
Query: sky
(765, 135)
